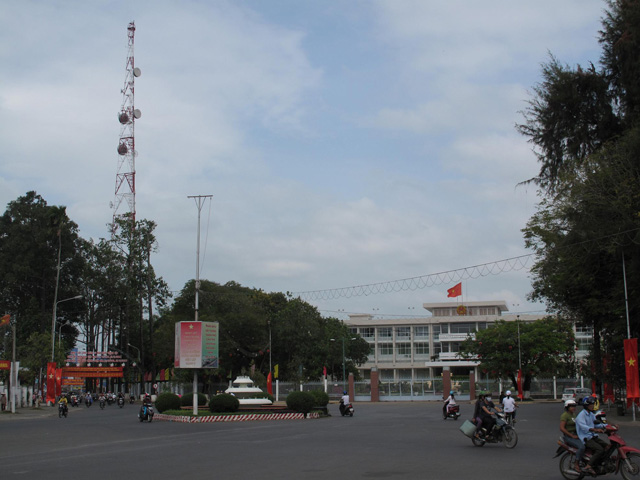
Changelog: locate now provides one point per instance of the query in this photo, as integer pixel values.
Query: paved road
(384, 440)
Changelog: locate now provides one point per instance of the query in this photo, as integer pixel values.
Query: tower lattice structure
(125, 191)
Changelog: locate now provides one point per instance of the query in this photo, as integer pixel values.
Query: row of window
(419, 331)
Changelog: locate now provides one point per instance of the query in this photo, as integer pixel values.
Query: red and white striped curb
(235, 418)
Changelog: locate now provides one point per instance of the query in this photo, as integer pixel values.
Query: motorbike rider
(476, 413)
(146, 401)
(344, 401)
(509, 405)
(568, 428)
(487, 415)
(64, 402)
(587, 429)
(450, 401)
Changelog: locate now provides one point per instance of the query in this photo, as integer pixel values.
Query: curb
(235, 418)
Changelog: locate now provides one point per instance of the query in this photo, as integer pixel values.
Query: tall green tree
(543, 347)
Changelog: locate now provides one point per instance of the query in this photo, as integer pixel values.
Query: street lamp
(132, 346)
(67, 322)
(344, 367)
(53, 323)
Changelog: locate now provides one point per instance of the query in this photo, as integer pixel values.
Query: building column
(375, 393)
(446, 381)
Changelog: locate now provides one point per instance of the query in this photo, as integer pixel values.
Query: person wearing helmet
(487, 414)
(509, 406)
(476, 413)
(344, 401)
(587, 429)
(451, 400)
(568, 429)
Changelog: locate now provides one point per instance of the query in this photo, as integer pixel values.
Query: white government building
(414, 349)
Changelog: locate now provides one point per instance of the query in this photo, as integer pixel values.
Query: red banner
(5, 364)
(51, 382)
(58, 381)
(94, 372)
(519, 382)
(631, 369)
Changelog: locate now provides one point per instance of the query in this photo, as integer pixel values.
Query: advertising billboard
(196, 345)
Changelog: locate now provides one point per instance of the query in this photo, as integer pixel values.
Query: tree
(541, 347)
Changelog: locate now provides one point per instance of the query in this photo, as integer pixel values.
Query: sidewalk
(29, 412)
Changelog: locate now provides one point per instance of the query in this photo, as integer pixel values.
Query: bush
(167, 401)
(187, 399)
(223, 402)
(320, 397)
(301, 402)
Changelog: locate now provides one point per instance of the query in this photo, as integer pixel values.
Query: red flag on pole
(519, 382)
(631, 369)
(4, 320)
(269, 384)
(51, 382)
(58, 382)
(455, 291)
(324, 372)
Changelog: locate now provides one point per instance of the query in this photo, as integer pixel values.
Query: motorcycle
(132, 399)
(62, 409)
(88, 401)
(121, 402)
(501, 432)
(74, 401)
(346, 409)
(619, 458)
(146, 413)
(453, 411)
(102, 403)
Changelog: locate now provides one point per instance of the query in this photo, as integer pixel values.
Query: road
(382, 441)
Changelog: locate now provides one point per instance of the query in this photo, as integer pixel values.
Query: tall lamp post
(53, 323)
(139, 363)
(344, 363)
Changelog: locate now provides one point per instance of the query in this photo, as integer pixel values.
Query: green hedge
(320, 397)
(187, 399)
(301, 402)
(167, 401)
(223, 402)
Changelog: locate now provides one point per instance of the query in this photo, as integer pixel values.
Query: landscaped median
(246, 417)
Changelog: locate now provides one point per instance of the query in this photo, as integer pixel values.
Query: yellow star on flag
(631, 362)
(191, 325)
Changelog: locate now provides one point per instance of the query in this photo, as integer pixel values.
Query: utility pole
(199, 199)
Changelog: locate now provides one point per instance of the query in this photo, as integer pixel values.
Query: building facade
(414, 349)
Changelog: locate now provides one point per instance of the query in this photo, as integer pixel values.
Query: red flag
(631, 368)
(519, 382)
(58, 381)
(5, 320)
(455, 291)
(324, 372)
(269, 384)
(51, 382)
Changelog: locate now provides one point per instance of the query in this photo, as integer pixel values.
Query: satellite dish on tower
(137, 72)
(123, 118)
(137, 113)
(122, 149)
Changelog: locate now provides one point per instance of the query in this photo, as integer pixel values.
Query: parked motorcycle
(453, 411)
(121, 402)
(346, 409)
(62, 409)
(146, 413)
(501, 432)
(619, 458)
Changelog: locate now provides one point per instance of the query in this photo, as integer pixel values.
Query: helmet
(451, 392)
(588, 401)
(508, 392)
(344, 392)
(570, 403)
(601, 416)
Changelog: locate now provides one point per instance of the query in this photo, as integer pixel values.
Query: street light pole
(344, 363)
(53, 321)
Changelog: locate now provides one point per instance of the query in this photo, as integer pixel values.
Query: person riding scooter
(486, 414)
(449, 402)
(344, 401)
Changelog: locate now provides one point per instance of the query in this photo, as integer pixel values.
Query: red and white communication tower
(126, 174)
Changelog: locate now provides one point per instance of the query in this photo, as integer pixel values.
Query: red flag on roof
(455, 291)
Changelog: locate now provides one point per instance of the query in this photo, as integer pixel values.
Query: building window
(368, 333)
(421, 349)
(353, 331)
(385, 350)
(463, 327)
(403, 333)
(384, 332)
(421, 333)
(403, 351)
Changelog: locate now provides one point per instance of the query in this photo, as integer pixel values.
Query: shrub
(223, 402)
(187, 399)
(301, 402)
(167, 401)
(320, 397)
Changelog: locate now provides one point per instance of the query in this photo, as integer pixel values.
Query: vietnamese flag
(269, 384)
(631, 369)
(58, 382)
(519, 383)
(324, 372)
(4, 320)
(455, 291)
(51, 382)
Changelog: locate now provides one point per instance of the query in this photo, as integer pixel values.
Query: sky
(344, 143)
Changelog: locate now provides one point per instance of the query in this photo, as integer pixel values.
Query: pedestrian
(3, 402)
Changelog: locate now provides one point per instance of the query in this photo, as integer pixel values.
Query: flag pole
(626, 304)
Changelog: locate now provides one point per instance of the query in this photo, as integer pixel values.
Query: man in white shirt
(509, 406)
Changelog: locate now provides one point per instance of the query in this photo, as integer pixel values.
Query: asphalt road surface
(382, 441)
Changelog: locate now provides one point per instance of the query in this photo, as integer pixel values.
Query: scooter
(500, 433)
(74, 401)
(132, 399)
(102, 403)
(619, 458)
(62, 410)
(146, 413)
(121, 402)
(346, 409)
(453, 411)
